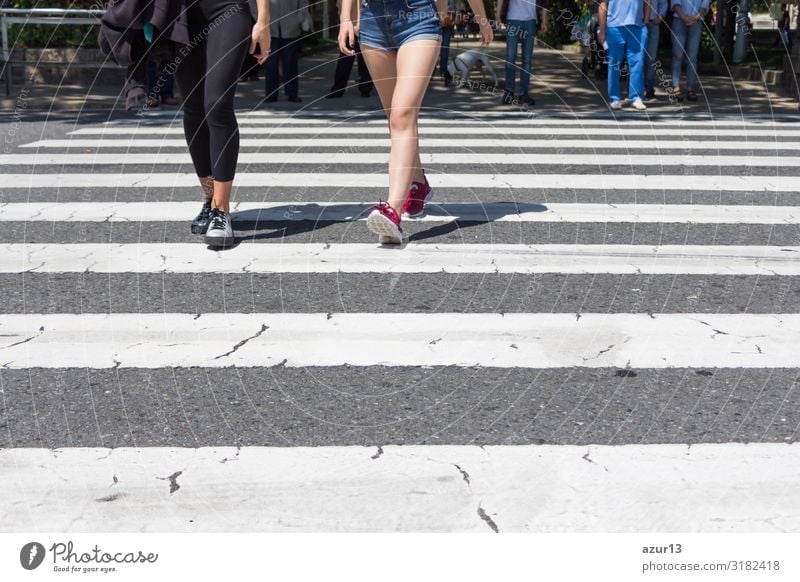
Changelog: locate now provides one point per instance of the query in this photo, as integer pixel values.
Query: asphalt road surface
(595, 327)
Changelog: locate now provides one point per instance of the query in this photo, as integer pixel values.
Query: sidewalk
(558, 86)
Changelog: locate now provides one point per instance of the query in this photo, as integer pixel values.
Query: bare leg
(401, 79)
(222, 195)
(207, 184)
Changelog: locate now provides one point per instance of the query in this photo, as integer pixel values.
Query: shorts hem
(421, 36)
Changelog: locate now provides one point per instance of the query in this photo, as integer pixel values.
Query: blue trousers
(685, 43)
(651, 57)
(627, 41)
(519, 32)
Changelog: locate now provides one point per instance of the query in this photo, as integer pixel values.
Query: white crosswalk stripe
(577, 408)
(431, 339)
(378, 179)
(598, 159)
(446, 212)
(414, 258)
(454, 144)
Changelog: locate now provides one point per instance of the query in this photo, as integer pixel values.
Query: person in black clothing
(290, 19)
(344, 66)
(221, 34)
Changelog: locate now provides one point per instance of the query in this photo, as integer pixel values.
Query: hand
(262, 39)
(601, 37)
(347, 38)
(543, 27)
(487, 34)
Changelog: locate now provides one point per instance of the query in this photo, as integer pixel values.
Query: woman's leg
(401, 79)
(190, 77)
(225, 52)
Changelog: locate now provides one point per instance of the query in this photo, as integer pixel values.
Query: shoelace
(384, 208)
(217, 218)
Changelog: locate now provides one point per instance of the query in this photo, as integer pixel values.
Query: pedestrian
(461, 23)
(523, 19)
(207, 75)
(160, 85)
(448, 26)
(344, 66)
(401, 41)
(687, 24)
(658, 10)
(472, 60)
(341, 76)
(623, 32)
(290, 18)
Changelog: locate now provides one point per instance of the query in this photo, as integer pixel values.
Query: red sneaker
(385, 222)
(418, 195)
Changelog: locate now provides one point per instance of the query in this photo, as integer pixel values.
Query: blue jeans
(517, 31)
(444, 52)
(627, 41)
(685, 43)
(651, 56)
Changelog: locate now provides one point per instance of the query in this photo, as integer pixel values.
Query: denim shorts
(389, 24)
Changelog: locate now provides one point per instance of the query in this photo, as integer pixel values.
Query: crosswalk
(595, 327)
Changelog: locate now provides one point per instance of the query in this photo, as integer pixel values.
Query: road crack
(264, 327)
(489, 521)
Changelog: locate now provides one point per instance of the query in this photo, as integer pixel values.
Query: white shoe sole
(421, 212)
(387, 231)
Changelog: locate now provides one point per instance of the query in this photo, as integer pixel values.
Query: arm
(602, 15)
(648, 9)
(305, 17)
(542, 14)
(347, 34)
(500, 5)
(260, 37)
(688, 20)
(487, 34)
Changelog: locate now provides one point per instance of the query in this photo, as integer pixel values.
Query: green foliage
(50, 35)
(563, 14)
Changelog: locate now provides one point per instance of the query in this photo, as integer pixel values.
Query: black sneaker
(526, 100)
(200, 222)
(507, 98)
(650, 94)
(220, 229)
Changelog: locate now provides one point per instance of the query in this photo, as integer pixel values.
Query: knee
(402, 118)
(219, 112)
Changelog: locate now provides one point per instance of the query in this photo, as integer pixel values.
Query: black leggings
(220, 31)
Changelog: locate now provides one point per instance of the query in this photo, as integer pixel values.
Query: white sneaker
(639, 105)
(616, 105)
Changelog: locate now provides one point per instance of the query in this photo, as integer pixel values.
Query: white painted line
(448, 212)
(525, 488)
(600, 146)
(478, 124)
(511, 340)
(597, 158)
(379, 179)
(413, 258)
(361, 129)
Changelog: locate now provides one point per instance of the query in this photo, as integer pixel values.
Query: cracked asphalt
(410, 404)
